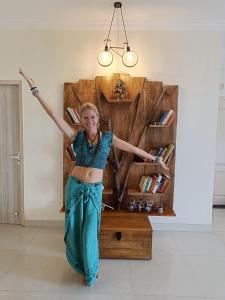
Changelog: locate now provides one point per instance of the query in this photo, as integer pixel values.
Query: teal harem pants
(82, 225)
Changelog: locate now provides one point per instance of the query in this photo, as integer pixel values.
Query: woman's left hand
(162, 164)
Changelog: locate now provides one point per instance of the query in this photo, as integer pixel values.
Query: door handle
(16, 156)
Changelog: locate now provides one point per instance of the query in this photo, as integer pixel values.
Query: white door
(11, 166)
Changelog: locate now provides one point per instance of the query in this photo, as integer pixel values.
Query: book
(162, 117)
(164, 185)
(77, 114)
(149, 183)
(157, 183)
(168, 153)
(141, 182)
(70, 116)
(159, 151)
(144, 184)
(153, 181)
(170, 115)
(163, 152)
(72, 112)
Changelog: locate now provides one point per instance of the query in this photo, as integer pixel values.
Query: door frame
(21, 201)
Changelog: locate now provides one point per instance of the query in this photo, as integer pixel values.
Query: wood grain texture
(125, 235)
(128, 122)
(11, 171)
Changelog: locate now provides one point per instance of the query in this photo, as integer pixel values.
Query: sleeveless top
(89, 156)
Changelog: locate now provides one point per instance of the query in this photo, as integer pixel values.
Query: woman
(84, 185)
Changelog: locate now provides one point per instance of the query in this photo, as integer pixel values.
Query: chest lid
(125, 222)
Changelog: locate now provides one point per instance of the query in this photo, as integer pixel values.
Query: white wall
(190, 59)
(219, 186)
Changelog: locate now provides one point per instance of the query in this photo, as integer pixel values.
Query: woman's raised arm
(59, 121)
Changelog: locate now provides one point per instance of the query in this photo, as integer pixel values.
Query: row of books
(164, 152)
(73, 115)
(155, 183)
(165, 118)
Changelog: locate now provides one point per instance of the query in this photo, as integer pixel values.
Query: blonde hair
(88, 105)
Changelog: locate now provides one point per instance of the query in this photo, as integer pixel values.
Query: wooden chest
(125, 235)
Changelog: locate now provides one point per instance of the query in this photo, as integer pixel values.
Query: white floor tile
(210, 273)
(167, 275)
(218, 220)
(16, 237)
(115, 279)
(220, 235)
(199, 243)
(142, 297)
(7, 258)
(185, 266)
(163, 243)
(48, 241)
(34, 273)
(95, 297)
(28, 296)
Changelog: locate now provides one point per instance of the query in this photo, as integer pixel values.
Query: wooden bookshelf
(128, 122)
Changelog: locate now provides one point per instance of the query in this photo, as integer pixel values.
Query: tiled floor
(185, 266)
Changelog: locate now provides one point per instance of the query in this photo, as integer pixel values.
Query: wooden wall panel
(128, 119)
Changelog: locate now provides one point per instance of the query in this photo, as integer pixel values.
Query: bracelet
(34, 91)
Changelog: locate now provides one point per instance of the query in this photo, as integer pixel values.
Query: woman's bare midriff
(87, 174)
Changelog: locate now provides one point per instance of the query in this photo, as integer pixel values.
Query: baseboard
(181, 227)
(155, 226)
(44, 223)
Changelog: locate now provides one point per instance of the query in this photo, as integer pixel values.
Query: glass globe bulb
(105, 58)
(130, 58)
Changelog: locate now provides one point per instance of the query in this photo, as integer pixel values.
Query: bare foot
(62, 209)
(84, 281)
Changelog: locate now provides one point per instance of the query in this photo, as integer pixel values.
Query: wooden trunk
(125, 235)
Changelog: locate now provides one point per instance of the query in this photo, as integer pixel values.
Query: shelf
(145, 164)
(134, 192)
(117, 101)
(166, 213)
(163, 126)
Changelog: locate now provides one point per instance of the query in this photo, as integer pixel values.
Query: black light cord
(110, 27)
(124, 26)
(125, 33)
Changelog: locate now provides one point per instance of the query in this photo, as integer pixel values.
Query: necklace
(92, 140)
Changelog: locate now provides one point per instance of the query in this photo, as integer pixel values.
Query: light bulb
(105, 58)
(130, 58)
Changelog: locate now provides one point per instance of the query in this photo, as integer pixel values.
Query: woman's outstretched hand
(27, 78)
(162, 164)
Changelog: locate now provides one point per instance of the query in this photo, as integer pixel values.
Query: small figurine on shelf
(120, 89)
(139, 205)
(136, 205)
(148, 206)
(160, 209)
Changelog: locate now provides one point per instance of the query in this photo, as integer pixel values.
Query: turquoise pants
(82, 225)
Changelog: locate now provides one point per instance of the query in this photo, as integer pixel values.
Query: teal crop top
(86, 155)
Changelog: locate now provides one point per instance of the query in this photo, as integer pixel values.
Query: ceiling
(88, 14)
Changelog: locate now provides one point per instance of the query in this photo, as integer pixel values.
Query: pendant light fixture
(105, 57)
